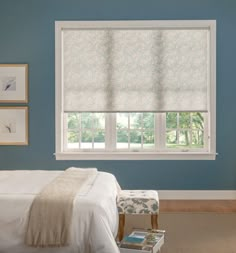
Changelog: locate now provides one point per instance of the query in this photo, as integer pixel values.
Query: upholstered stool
(137, 202)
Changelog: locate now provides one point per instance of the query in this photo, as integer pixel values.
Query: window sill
(135, 156)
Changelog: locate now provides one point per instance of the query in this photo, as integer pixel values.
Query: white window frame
(159, 153)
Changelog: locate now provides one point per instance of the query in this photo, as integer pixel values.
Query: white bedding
(94, 221)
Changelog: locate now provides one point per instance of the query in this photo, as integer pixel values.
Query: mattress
(94, 219)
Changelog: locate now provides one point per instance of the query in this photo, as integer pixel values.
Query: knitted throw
(51, 211)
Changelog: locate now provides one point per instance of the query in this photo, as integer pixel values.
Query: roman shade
(135, 69)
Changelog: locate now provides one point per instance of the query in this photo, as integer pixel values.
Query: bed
(94, 218)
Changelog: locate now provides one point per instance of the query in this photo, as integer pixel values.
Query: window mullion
(177, 129)
(110, 131)
(93, 131)
(191, 130)
(80, 130)
(65, 132)
(142, 131)
(113, 131)
(206, 131)
(160, 131)
(107, 131)
(128, 132)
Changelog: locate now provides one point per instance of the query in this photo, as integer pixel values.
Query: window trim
(137, 155)
(86, 155)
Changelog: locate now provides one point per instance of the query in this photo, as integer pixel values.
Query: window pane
(73, 139)
(171, 120)
(130, 130)
(122, 139)
(171, 139)
(135, 120)
(99, 139)
(184, 120)
(135, 139)
(198, 139)
(184, 138)
(86, 139)
(148, 139)
(122, 120)
(197, 120)
(87, 120)
(189, 131)
(148, 120)
(99, 120)
(73, 120)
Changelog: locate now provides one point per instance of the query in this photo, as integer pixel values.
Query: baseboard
(197, 194)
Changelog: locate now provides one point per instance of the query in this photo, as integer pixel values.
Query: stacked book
(142, 242)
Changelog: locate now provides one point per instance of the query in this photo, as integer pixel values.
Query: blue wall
(27, 36)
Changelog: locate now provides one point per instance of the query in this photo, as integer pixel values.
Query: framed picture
(13, 125)
(13, 83)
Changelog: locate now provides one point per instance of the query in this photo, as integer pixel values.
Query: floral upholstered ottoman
(137, 202)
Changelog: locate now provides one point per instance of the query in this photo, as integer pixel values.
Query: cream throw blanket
(51, 211)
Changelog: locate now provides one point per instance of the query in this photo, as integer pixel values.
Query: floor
(193, 226)
(218, 206)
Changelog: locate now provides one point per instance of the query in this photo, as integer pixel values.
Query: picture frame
(13, 125)
(13, 83)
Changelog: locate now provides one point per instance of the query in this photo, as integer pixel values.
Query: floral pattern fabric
(120, 69)
(138, 202)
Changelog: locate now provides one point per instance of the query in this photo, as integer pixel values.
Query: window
(186, 131)
(135, 90)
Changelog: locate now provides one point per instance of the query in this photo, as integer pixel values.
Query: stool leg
(121, 226)
(154, 221)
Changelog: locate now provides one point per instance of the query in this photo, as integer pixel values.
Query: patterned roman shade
(138, 69)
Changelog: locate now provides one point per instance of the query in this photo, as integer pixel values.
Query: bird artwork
(8, 127)
(7, 86)
(9, 83)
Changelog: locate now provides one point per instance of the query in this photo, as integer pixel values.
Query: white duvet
(94, 221)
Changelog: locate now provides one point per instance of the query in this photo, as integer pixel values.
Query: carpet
(188, 232)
